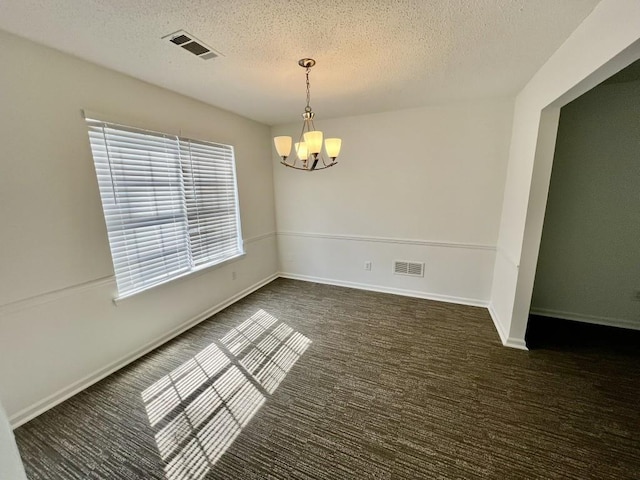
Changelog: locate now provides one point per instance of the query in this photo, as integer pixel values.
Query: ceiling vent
(191, 44)
(413, 269)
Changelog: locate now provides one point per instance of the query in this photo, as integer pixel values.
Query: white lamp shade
(314, 141)
(302, 151)
(332, 145)
(283, 145)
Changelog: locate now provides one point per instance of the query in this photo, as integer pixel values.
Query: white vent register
(412, 269)
(192, 44)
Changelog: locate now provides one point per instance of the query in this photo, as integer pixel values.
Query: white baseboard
(474, 302)
(506, 340)
(580, 317)
(63, 394)
(504, 337)
(496, 322)
(516, 343)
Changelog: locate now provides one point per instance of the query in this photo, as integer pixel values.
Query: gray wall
(589, 263)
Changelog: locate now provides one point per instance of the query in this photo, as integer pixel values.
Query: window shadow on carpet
(199, 409)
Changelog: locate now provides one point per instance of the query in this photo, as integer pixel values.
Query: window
(170, 203)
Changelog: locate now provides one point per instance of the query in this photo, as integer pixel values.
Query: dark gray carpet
(308, 381)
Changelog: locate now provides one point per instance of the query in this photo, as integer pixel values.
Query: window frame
(216, 172)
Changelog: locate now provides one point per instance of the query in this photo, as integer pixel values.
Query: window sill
(196, 272)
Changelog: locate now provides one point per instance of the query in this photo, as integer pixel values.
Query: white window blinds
(170, 203)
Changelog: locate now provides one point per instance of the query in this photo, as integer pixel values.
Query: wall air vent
(413, 269)
(191, 44)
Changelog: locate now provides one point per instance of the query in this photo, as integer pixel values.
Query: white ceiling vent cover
(413, 269)
(191, 44)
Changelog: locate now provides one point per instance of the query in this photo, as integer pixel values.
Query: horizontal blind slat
(170, 203)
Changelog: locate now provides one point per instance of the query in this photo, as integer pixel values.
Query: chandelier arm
(304, 124)
(293, 166)
(326, 166)
(308, 170)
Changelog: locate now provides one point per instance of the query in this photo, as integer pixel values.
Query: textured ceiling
(373, 55)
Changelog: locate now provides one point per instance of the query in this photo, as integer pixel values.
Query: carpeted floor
(309, 381)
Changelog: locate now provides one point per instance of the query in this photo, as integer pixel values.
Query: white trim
(474, 302)
(581, 317)
(507, 341)
(517, 343)
(32, 411)
(259, 237)
(503, 253)
(196, 272)
(63, 394)
(405, 241)
(497, 324)
(54, 295)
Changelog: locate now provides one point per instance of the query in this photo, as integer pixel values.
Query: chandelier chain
(308, 108)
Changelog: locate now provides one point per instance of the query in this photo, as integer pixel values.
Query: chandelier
(309, 146)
